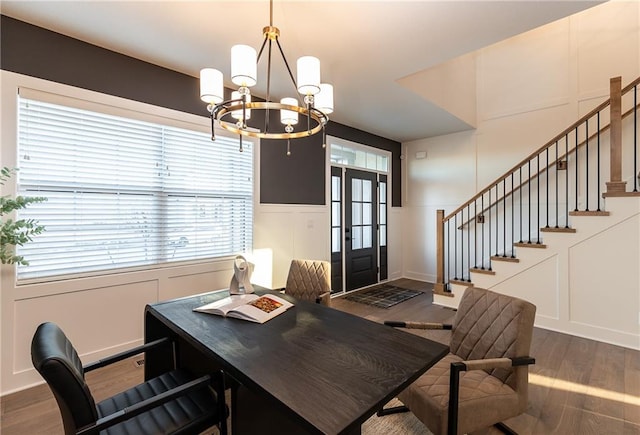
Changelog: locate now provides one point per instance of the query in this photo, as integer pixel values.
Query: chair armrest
(479, 364)
(417, 325)
(126, 354)
(323, 298)
(494, 363)
(145, 405)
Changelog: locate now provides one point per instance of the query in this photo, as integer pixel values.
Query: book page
(262, 309)
(223, 306)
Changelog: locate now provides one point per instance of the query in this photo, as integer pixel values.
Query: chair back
(493, 325)
(55, 358)
(309, 279)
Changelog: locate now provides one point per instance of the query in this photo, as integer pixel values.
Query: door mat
(383, 296)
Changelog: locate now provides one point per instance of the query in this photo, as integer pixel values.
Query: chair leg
(505, 429)
(392, 410)
(224, 410)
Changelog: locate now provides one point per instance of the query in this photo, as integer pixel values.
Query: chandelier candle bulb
(211, 86)
(324, 99)
(308, 68)
(244, 66)
(289, 117)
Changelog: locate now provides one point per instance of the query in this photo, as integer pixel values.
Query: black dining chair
(175, 402)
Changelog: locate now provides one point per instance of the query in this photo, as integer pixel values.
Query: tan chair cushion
(309, 280)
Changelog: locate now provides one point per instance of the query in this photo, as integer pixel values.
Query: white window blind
(124, 192)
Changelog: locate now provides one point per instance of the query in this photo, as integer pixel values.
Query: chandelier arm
(284, 58)
(213, 125)
(266, 37)
(244, 115)
(324, 137)
(266, 115)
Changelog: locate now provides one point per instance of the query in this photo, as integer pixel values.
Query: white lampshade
(308, 73)
(244, 68)
(289, 117)
(211, 87)
(324, 99)
(237, 114)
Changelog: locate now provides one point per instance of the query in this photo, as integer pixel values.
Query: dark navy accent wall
(295, 179)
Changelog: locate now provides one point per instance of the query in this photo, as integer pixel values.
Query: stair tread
(558, 230)
(589, 213)
(484, 271)
(530, 244)
(507, 258)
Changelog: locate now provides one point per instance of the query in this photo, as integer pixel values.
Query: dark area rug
(382, 296)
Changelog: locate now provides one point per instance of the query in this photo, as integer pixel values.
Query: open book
(248, 307)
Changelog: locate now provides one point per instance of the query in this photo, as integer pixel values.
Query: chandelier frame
(227, 113)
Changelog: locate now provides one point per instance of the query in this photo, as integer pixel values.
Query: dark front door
(361, 261)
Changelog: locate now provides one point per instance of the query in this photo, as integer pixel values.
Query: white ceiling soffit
(365, 47)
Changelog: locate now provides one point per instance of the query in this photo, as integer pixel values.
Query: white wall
(529, 88)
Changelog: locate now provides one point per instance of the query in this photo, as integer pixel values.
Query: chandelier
(232, 115)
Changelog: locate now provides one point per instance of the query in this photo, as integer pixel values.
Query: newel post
(616, 185)
(439, 286)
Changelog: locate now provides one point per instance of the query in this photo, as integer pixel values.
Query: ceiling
(365, 47)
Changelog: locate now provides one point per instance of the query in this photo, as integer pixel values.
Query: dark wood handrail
(613, 101)
(550, 165)
(557, 138)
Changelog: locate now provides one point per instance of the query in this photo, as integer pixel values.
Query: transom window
(125, 193)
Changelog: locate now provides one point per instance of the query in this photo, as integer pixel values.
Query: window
(124, 192)
(355, 156)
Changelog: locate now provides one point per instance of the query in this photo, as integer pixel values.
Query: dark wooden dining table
(312, 369)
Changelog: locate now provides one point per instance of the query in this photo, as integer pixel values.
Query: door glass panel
(356, 238)
(335, 239)
(366, 191)
(361, 159)
(356, 190)
(335, 188)
(366, 213)
(356, 213)
(383, 192)
(383, 235)
(367, 232)
(335, 214)
(383, 215)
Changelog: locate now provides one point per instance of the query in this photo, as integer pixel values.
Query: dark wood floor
(577, 386)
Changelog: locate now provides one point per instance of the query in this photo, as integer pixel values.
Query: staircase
(574, 199)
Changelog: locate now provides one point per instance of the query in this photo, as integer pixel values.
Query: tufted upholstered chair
(484, 378)
(173, 403)
(310, 280)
